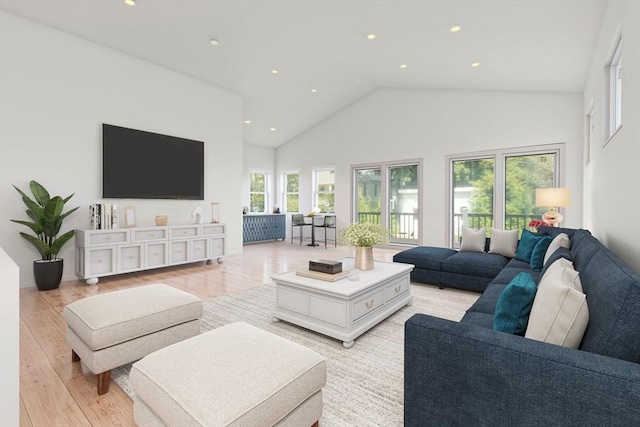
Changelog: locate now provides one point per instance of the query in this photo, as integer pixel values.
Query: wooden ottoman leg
(103, 380)
(74, 356)
(315, 424)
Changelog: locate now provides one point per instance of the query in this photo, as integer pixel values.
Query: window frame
(265, 193)
(286, 193)
(614, 91)
(499, 184)
(316, 190)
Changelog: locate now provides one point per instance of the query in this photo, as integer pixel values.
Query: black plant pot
(48, 274)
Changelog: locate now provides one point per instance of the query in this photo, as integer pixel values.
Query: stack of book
(324, 269)
(103, 216)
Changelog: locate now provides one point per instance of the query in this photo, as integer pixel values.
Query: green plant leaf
(34, 207)
(66, 214)
(40, 193)
(52, 211)
(67, 199)
(37, 228)
(42, 247)
(60, 241)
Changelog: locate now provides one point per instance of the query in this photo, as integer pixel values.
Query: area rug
(364, 383)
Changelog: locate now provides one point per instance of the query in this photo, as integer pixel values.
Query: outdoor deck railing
(405, 225)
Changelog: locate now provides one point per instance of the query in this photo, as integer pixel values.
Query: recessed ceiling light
(475, 64)
(371, 36)
(314, 90)
(130, 2)
(455, 28)
(403, 66)
(247, 122)
(214, 42)
(273, 129)
(274, 71)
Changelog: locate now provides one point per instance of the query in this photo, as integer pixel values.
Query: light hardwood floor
(55, 392)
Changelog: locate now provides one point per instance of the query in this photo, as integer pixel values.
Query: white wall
(57, 90)
(396, 124)
(259, 159)
(612, 178)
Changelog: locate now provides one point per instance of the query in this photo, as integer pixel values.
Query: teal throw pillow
(514, 305)
(539, 251)
(528, 241)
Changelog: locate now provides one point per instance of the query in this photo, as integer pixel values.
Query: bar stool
(297, 220)
(328, 223)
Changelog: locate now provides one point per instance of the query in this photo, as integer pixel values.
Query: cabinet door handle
(369, 304)
(397, 288)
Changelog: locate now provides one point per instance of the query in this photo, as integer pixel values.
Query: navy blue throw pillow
(514, 305)
(528, 241)
(539, 251)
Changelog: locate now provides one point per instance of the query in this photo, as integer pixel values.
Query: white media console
(124, 250)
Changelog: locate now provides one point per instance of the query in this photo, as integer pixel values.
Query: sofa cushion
(560, 241)
(514, 305)
(424, 257)
(559, 314)
(487, 301)
(559, 253)
(482, 320)
(475, 264)
(473, 240)
(539, 252)
(504, 242)
(528, 241)
(507, 274)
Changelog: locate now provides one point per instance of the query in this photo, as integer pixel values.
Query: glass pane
(403, 204)
(326, 202)
(292, 183)
(368, 195)
(257, 183)
(472, 196)
(523, 174)
(257, 202)
(292, 203)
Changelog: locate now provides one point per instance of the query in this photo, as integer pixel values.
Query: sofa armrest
(462, 374)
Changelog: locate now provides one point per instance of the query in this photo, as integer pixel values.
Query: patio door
(389, 194)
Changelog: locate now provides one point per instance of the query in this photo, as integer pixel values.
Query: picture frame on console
(130, 216)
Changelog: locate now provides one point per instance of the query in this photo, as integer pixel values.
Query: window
(389, 194)
(258, 195)
(324, 194)
(291, 196)
(497, 189)
(615, 90)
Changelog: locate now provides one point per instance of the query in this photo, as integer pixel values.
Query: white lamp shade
(553, 197)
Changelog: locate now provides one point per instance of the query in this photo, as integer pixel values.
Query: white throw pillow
(473, 240)
(555, 272)
(560, 241)
(559, 314)
(504, 242)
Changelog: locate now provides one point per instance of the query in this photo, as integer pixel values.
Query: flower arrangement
(536, 223)
(364, 234)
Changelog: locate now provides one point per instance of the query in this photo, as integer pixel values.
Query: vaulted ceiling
(325, 52)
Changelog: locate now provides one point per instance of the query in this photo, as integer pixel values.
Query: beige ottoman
(116, 328)
(236, 375)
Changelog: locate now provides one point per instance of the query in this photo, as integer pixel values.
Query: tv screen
(145, 165)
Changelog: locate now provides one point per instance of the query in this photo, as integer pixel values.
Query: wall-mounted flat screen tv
(145, 165)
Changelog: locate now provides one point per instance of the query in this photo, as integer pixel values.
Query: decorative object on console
(196, 214)
(161, 220)
(129, 216)
(103, 216)
(364, 236)
(47, 217)
(245, 210)
(215, 213)
(553, 198)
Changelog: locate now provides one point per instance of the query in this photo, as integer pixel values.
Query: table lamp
(553, 198)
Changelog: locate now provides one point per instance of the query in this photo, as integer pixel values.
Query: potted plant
(364, 236)
(46, 220)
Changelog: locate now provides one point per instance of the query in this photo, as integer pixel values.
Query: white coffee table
(343, 309)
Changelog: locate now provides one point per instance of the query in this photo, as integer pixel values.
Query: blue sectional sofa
(465, 373)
